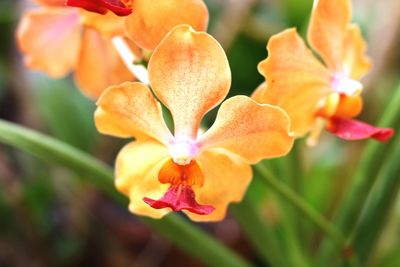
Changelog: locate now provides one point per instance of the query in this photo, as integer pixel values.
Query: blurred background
(51, 217)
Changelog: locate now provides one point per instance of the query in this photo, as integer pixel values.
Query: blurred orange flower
(316, 94)
(57, 39)
(199, 174)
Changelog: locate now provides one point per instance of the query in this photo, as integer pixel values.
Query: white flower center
(183, 150)
(342, 84)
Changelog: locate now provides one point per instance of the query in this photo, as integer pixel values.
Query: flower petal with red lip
(101, 6)
(136, 175)
(178, 198)
(350, 130)
(226, 177)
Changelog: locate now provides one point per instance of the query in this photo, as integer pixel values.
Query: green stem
(290, 169)
(369, 166)
(377, 209)
(262, 236)
(302, 206)
(183, 234)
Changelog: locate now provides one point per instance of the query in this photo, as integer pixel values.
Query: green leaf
(378, 208)
(262, 236)
(66, 112)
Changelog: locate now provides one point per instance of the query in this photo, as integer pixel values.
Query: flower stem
(126, 54)
(261, 235)
(183, 234)
(299, 203)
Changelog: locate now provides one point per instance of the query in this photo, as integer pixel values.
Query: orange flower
(314, 93)
(199, 174)
(58, 40)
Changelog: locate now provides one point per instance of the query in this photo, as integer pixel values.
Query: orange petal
(249, 129)
(99, 65)
(226, 177)
(258, 94)
(296, 80)
(51, 2)
(356, 63)
(152, 20)
(190, 74)
(136, 172)
(50, 39)
(349, 106)
(108, 24)
(327, 30)
(130, 110)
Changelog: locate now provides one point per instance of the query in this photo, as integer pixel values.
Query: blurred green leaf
(378, 207)
(66, 112)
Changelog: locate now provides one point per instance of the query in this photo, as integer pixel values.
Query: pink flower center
(342, 84)
(183, 150)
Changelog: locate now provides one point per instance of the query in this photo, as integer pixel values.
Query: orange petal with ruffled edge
(190, 74)
(356, 63)
(130, 110)
(258, 94)
(136, 172)
(51, 2)
(251, 130)
(226, 177)
(327, 30)
(50, 39)
(108, 25)
(99, 65)
(297, 81)
(152, 20)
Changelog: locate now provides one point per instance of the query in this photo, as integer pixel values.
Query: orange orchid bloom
(57, 39)
(313, 93)
(199, 174)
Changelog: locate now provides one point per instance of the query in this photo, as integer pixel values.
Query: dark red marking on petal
(350, 130)
(101, 6)
(180, 197)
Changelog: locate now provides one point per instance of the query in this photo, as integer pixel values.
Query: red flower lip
(101, 6)
(180, 197)
(348, 129)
